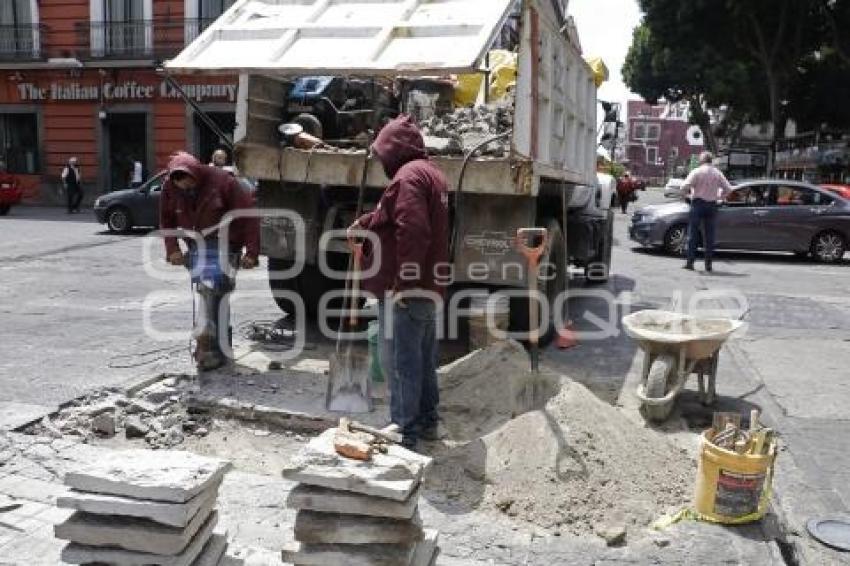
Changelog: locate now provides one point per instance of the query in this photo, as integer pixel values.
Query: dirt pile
(574, 465)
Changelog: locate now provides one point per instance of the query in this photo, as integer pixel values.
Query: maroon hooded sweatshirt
(217, 193)
(412, 218)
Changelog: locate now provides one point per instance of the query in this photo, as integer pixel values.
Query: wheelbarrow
(676, 346)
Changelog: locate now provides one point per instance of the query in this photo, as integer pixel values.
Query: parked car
(139, 207)
(764, 215)
(840, 190)
(673, 188)
(10, 193)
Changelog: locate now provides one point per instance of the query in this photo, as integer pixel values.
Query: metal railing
(22, 41)
(140, 39)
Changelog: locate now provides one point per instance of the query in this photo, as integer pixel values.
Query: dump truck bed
(555, 99)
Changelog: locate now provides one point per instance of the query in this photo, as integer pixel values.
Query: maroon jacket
(412, 218)
(218, 193)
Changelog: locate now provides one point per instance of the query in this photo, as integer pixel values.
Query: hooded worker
(197, 198)
(412, 224)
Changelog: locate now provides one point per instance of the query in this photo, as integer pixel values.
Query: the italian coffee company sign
(127, 91)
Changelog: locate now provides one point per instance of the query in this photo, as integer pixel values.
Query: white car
(673, 188)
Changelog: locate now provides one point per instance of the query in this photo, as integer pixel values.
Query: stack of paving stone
(356, 513)
(144, 507)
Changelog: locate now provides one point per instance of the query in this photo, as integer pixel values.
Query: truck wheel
(660, 377)
(4, 209)
(553, 282)
(311, 124)
(310, 285)
(598, 270)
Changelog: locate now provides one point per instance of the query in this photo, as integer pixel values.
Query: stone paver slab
(173, 514)
(172, 476)
(393, 475)
(349, 555)
(326, 500)
(326, 528)
(75, 553)
(140, 535)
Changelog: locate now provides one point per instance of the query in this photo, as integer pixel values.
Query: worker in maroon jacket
(412, 225)
(197, 197)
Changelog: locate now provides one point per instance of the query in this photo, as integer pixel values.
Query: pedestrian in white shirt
(706, 185)
(138, 176)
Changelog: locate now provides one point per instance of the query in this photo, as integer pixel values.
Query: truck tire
(551, 288)
(311, 285)
(4, 209)
(593, 275)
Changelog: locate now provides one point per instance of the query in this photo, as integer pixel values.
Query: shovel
(349, 382)
(534, 386)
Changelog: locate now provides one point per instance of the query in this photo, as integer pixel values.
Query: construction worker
(196, 197)
(412, 226)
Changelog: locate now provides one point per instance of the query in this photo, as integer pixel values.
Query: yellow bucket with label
(732, 488)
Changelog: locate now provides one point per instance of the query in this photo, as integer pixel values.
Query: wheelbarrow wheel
(657, 385)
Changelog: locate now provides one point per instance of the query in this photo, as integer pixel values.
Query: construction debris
(141, 507)
(461, 131)
(356, 512)
(157, 413)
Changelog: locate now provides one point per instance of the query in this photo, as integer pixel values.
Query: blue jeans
(409, 358)
(703, 217)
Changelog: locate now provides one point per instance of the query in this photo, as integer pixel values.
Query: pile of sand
(574, 464)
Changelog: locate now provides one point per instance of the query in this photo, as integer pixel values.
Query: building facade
(79, 78)
(661, 143)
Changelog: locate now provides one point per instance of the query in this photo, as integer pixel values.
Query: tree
(743, 54)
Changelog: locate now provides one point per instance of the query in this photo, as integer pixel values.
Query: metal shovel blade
(349, 382)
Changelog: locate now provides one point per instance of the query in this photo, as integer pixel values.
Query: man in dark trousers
(72, 179)
(412, 225)
(196, 197)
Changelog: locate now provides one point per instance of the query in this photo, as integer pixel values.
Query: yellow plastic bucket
(732, 488)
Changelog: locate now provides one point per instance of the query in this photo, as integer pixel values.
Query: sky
(605, 29)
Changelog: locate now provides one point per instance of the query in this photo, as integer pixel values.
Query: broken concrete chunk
(325, 500)
(326, 528)
(162, 476)
(349, 555)
(75, 553)
(104, 425)
(140, 535)
(173, 514)
(135, 428)
(393, 475)
(141, 406)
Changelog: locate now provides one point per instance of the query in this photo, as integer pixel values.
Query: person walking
(219, 158)
(706, 185)
(197, 197)
(72, 180)
(625, 189)
(411, 224)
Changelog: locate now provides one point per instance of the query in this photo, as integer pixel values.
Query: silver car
(764, 215)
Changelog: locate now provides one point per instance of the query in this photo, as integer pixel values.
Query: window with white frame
(639, 132)
(652, 155)
(653, 132)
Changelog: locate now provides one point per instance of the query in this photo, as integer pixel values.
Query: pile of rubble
(141, 507)
(158, 414)
(462, 130)
(353, 511)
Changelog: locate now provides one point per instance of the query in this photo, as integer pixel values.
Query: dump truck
(544, 176)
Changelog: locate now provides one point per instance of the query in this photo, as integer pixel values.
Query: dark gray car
(764, 215)
(131, 208)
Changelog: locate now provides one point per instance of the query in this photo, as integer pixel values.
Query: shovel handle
(532, 253)
(356, 248)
